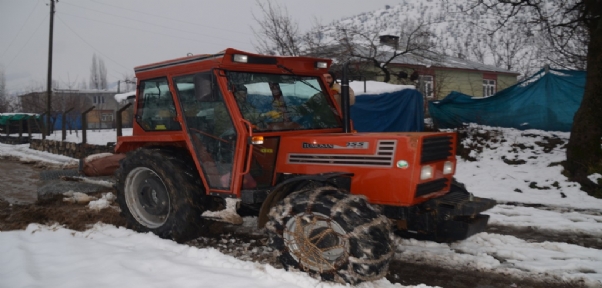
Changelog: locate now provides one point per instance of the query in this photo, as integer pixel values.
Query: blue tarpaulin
(399, 111)
(546, 101)
(71, 123)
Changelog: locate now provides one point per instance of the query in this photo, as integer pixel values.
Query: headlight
(257, 140)
(321, 65)
(448, 167)
(426, 172)
(240, 58)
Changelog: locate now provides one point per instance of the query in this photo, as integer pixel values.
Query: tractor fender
(296, 183)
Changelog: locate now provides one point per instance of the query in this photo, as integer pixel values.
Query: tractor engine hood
(390, 162)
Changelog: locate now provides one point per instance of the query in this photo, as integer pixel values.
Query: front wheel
(326, 232)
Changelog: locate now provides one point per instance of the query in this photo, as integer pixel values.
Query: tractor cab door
(210, 127)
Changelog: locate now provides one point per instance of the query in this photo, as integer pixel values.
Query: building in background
(101, 117)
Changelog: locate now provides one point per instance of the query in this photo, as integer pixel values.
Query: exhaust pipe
(345, 98)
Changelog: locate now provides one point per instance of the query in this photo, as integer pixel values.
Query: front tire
(334, 235)
(160, 192)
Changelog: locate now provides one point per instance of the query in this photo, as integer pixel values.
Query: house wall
(448, 80)
(467, 82)
(505, 81)
(103, 101)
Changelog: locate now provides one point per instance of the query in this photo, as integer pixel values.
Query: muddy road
(18, 208)
(19, 182)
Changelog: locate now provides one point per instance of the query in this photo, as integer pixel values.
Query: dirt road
(19, 182)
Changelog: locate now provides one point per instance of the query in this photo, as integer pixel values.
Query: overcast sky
(128, 33)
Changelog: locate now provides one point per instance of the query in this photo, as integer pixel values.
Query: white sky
(106, 256)
(128, 33)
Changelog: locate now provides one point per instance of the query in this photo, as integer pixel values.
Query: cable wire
(154, 32)
(93, 48)
(17, 35)
(177, 20)
(21, 50)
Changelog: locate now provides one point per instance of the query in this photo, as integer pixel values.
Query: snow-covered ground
(106, 256)
(533, 195)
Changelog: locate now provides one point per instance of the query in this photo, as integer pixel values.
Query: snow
(102, 203)
(374, 87)
(107, 256)
(124, 96)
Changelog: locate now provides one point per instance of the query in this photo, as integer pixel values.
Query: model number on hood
(350, 145)
(357, 145)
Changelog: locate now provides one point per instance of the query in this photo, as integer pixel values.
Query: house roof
(432, 59)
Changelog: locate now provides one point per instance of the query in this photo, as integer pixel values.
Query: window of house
(107, 117)
(427, 85)
(488, 87)
(94, 99)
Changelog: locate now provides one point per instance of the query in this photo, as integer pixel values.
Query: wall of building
(505, 81)
(448, 80)
(467, 82)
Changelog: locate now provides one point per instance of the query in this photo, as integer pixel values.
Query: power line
(148, 31)
(17, 35)
(21, 50)
(93, 48)
(149, 23)
(177, 20)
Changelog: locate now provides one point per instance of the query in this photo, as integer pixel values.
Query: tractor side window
(209, 125)
(156, 110)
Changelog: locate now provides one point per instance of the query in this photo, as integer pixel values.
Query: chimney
(389, 40)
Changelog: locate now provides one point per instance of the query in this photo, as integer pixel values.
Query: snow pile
(520, 166)
(106, 256)
(104, 202)
(77, 197)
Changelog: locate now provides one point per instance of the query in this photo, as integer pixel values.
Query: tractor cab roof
(236, 59)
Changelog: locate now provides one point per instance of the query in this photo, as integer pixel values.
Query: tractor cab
(230, 111)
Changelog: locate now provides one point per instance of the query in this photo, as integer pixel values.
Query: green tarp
(5, 117)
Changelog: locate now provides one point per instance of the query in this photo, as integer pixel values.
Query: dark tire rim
(316, 241)
(146, 197)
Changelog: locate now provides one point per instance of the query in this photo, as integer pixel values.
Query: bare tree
(4, 103)
(98, 73)
(573, 30)
(365, 44)
(277, 34)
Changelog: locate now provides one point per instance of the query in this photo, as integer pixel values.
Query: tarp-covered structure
(9, 117)
(398, 111)
(11, 121)
(547, 101)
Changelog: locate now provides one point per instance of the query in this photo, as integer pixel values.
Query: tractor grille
(430, 187)
(385, 150)
(436, 148)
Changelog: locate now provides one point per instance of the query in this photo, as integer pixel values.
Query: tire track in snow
(508, 255)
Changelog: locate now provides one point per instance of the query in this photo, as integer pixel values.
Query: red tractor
(219, 133)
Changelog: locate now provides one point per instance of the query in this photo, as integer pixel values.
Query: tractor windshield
(276, 102)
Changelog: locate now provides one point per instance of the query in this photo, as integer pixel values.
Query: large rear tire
(334, 235)
(159, 191)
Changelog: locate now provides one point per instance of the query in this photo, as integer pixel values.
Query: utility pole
(49, 83)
